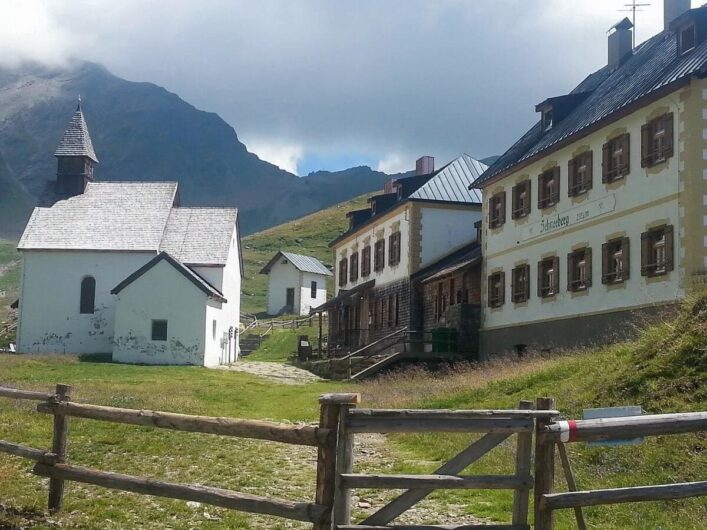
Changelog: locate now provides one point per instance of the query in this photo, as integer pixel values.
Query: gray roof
(655, 65)
(451, 183)
(199, 235)
(302, 263)
(76, 140)
(132, 216)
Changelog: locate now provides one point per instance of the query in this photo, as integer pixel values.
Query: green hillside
(308, 235)
(9, 278)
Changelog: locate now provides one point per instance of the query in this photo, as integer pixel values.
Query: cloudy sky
(329, 84)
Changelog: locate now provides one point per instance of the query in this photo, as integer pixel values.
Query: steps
(377, 365)
(250, 342)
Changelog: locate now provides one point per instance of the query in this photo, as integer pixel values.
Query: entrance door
(290, 299)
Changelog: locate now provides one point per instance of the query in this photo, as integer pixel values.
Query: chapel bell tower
(75, 157)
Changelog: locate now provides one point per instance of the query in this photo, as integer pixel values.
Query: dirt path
(278, 372)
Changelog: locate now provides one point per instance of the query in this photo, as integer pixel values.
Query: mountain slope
(143, 132)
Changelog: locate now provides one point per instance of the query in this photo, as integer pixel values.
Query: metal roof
(451, 183)
(654, 65)
(76, 140)
(465, 256)
(301, 263)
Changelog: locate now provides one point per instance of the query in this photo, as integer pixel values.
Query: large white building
(296, 283)
(599, 212)
(121, 268)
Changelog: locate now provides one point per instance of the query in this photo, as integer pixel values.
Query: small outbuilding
(296, 284)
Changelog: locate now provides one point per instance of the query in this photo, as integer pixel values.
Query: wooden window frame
(649, 240)
(609, 275)
(613, 169)
(394, 248)
(343, 271)
(379, 255)
(574, 260)
(87, 296)
(548, 289)
(497, 210)
(155, 327)
(496, 298)
(545, 199)
(578, 184)
(518, 210)
(651, 132)
(353, 267)
(366, 261)
(313, 289)
(520, 292)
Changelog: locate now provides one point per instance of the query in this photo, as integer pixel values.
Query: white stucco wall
(49, 316)
(398, 219)
(444, 230)
(306, 301)
(281, 277)
(646, 197)
(162, 293)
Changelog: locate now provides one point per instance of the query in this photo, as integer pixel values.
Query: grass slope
(10, 272)
(308, 235)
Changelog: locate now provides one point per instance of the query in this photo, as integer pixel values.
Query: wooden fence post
(59, 443)
(329, 418)
(544, 466)
(344, 464)
(524, 457)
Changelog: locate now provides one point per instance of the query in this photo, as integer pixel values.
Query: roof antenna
(634, 7)
(78, 106)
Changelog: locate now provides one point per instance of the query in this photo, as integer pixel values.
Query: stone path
(278, 372)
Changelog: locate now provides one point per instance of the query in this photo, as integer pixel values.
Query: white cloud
(29, 32)
(395, 163)
(284, 156)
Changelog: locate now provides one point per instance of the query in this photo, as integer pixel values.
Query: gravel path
(278, 372)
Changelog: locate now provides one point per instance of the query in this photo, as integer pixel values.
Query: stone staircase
(250, 342)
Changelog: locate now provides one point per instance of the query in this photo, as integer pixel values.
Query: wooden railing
(551, 435)
(54, 463)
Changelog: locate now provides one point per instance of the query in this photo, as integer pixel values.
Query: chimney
(425, 165)
(620, 43)
(672, 9)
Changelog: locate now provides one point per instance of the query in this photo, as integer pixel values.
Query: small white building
(121, 268)
(296, 283)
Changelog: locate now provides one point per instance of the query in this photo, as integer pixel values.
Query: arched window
(88, 295)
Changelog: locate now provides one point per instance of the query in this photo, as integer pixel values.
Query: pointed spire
(76, 140)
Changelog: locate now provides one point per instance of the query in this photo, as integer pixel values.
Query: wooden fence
(551, 435)
(339, 422)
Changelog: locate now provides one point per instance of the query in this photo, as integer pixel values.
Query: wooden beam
(456, 465)
(524, 449)
(452, 414)
(627, 427)
(558, 501)
(544, 468)
(15, 393)
(571, 484)
(299, 511)
(25, 451)
(341, 398)
(329, 417)
(414, 423)
(262, 430)
(59, 444)
(495, 482)
(344, 464)
(436, 527)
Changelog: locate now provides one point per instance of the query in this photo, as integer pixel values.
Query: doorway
(290, 300)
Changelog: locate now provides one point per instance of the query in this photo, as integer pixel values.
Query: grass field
(10, 271)
(308, 235)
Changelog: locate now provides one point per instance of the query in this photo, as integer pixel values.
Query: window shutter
(570, 270)
(527, 281)
(515, 193)
(604, 262)
(490, 300)
(572, 177)
(540, 279)
(589, 179)
(558, 185)
(528, 196)
(514, 284)
(492, 220)
(588, 261)
(502, 296)
(646, 147)
(646, 265)
(668, 124)
(626, 154)
(502, 198)
(556, 267)
(625, 258)
(605, 162)
(669, 251)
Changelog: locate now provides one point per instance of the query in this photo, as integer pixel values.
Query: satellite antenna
(634, 7)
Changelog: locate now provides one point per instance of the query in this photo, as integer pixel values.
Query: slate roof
(301, 263)
(451, 183)
(652, 70)
(465, 256)
(199, 236)
(189, 274)
(76, 140)
(132, 216)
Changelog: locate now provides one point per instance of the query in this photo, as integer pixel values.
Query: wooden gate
(495, 425)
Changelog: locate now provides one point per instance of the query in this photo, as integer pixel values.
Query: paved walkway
(278, 372)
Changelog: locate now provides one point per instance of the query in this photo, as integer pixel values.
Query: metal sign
(613, 412)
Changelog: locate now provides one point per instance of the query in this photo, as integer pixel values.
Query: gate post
(329, 418)
(524, 457)
(59, 443)
(544, 466)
